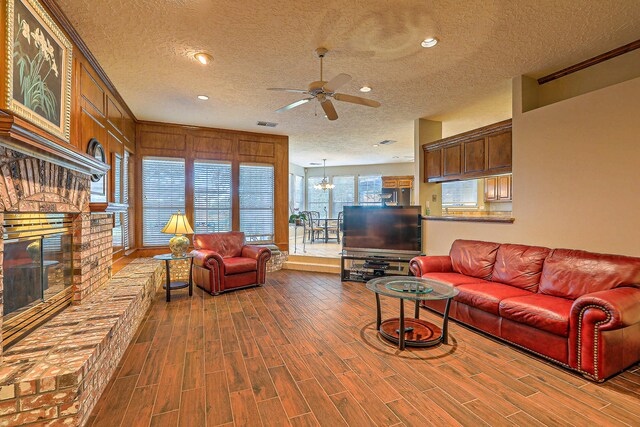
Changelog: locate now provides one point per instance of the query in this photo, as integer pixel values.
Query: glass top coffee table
(413, 332)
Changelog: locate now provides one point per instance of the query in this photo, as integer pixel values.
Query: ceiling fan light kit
(324, 91)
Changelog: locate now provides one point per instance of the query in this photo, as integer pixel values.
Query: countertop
(467, 218)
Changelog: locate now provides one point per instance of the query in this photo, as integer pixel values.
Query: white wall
(296, 169)
(576, 166)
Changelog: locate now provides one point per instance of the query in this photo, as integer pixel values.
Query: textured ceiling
(147, 46)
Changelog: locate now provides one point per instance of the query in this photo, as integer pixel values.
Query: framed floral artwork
(38, 82)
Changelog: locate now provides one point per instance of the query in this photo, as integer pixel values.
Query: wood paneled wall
(97, 114)
(196, 143)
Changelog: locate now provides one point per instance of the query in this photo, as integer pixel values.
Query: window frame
(195, 195)
(173, 208)
(251, 237)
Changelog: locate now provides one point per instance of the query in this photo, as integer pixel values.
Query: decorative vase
(179, 245)
(34, 251)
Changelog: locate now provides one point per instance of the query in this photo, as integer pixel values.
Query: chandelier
(324, 184)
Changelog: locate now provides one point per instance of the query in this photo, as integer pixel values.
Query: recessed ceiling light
(203, 58)
(365, 89)
(203, 97)
(430, 42)
(396, 157)
(376, 145)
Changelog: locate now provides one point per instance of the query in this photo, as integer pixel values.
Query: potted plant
(297, 218)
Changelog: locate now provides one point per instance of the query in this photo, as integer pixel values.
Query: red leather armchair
(223, 262)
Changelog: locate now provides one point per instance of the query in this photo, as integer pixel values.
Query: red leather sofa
(576, 308)
(223, 262)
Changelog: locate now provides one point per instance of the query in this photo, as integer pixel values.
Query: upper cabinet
(397, 181)
(477, 153)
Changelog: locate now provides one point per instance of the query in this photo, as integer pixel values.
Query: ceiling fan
(323, 91)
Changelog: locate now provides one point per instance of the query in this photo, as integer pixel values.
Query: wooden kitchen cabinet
(389, 182)
(474, 154)
(397, 181)
(498, 188)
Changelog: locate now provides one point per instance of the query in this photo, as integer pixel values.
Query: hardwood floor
(303, 351)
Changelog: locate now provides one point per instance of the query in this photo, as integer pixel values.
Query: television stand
(362, 266)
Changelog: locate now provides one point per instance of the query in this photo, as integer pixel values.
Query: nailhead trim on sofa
(595, 339)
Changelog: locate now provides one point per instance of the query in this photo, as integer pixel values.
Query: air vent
(267, 124)
(387, 142)
(315, 164)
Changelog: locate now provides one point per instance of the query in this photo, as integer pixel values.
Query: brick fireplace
(30, 186)
(57, 372)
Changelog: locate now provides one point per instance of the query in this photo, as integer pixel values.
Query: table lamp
(178, 225)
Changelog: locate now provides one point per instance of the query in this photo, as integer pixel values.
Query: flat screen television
(394, 229)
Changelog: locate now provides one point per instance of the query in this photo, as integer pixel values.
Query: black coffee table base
(412, 332)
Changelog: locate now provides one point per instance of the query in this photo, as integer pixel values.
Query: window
(343, 194)
(163, 186)
(369, 190)
(256, 202)
(317, 200)
(461, 194)
(211, 196)
(125, 199)
(298, 193)
(117, 236)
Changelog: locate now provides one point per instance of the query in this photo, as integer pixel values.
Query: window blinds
(125, 199)
(212, 197)
(163, 187)
(117, 196)
(256, 202)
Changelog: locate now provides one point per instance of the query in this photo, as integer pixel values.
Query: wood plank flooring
(303, 351)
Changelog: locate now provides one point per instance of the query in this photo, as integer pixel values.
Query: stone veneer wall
(93, 253)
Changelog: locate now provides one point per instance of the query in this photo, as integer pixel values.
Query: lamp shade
(178, 224)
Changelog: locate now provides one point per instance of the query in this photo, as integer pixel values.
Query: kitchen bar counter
(469, 218)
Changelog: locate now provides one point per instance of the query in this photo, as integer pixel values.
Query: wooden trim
(66, 25)
(590, 62)
(108, 207)
(42, 145)
(482, 132)
(183, 127)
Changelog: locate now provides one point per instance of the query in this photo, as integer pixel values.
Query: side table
(169, 285)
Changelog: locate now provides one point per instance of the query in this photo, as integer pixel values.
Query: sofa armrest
(598, 325)
(256, 252)
(618, 308)
(422, 265)
(204, 258)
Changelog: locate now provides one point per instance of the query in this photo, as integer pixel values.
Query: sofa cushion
(570, 273)
(453, 279)
(473, 258)
(487, 296)
(228, 244)
(544, 312)
(519, 265)
(238, 265)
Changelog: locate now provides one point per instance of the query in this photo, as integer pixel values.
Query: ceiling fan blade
(293, 105)
(284, 89)
(329, 110)
(356, 100)
(336, 82)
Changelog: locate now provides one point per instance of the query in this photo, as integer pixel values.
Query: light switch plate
(434, 197)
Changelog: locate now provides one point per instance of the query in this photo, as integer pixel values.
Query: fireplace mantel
(26, 138)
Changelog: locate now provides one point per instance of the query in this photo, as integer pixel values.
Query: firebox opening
(38, 271)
